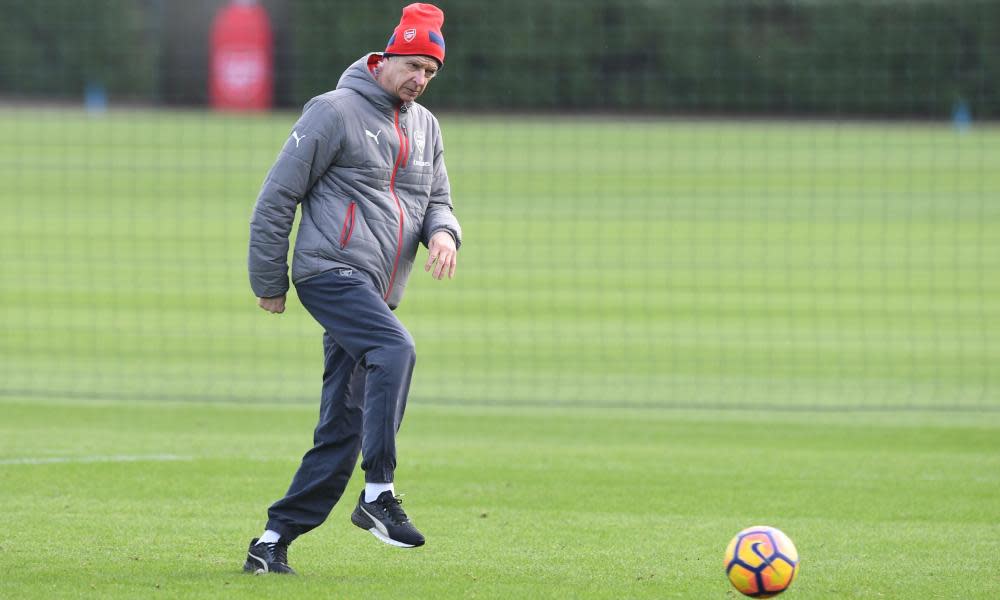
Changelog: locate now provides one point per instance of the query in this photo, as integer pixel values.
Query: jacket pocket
(348, 228)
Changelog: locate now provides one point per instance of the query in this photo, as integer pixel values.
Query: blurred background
(745, 203)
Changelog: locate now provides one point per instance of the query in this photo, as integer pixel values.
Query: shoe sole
(388, 540)
(365, 522)
(251, 568)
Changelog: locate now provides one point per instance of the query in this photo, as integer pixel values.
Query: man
(366, 163)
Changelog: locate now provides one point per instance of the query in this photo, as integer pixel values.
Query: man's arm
(441, 232)
(308, 152)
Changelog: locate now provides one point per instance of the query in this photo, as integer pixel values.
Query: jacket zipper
(348, 228)
(400, 161)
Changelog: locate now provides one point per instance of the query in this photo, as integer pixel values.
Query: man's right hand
(272, 305)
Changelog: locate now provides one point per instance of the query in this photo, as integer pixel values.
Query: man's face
(407, 76)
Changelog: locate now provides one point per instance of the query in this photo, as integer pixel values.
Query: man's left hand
(443, 255)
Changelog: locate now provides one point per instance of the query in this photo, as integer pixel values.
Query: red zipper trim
(400, 161)
(348, 228)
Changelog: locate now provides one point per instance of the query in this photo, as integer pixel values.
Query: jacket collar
(359, 78)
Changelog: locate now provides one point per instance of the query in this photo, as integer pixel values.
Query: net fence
(771, 204)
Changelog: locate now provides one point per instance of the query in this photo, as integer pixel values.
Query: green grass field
(661, 332)
(527, 503)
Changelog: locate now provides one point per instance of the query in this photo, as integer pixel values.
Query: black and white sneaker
(267, 558)
(385, 519)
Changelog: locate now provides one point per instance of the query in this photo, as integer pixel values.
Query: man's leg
(357, 318)
(354, 314)
(327, 466)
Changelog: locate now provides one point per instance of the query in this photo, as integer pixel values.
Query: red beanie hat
(419, 32)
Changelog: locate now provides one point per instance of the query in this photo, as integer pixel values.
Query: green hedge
(888, 58)
(787, 57)
(54, 48)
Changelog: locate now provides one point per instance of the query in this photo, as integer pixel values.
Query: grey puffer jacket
(369, 172)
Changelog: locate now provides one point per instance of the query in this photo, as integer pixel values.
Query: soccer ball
(761, 562)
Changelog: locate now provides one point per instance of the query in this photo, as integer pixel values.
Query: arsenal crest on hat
(409, 34)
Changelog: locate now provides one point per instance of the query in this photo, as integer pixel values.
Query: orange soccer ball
(761, 562)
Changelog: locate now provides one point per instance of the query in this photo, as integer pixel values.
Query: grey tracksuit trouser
(369, 359)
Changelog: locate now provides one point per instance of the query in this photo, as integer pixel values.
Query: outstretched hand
(442, 255)
(272, 305)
